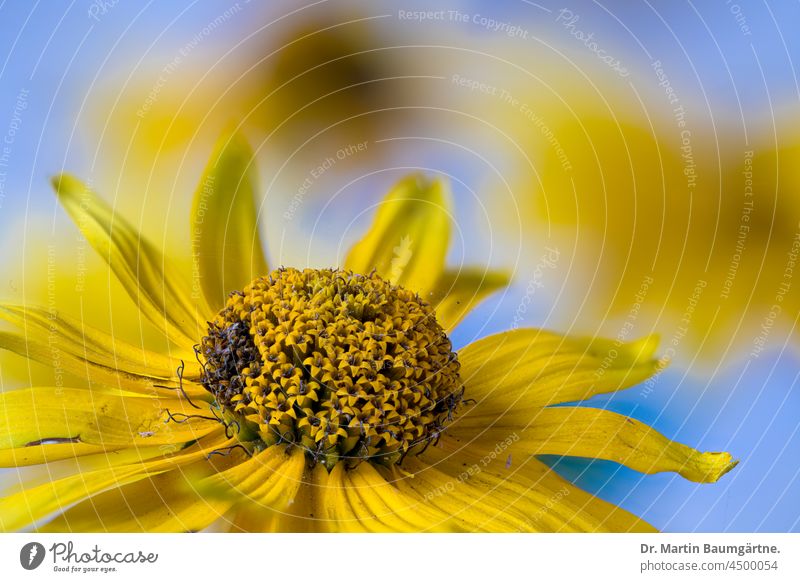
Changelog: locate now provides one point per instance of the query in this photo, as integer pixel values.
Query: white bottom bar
(401, 558)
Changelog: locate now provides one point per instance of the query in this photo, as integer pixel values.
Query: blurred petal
(35, 503)
(82, 341)
(160, 503)
(143, 271)
(67, 345)
(410, 233)
(226, 245)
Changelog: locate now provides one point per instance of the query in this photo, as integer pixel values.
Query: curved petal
(66, 344)
(139, 266)
(226, 245)
(48, 453)
(160, 503)
(38, 416)
(408, 241)
(117, 456)
(63, 357)
(486, 493)
(600, 434)
(304, 515)
(83, 340)
(456, 293)
(517, 372)
(267, 479)
(362, 499)
(33, 504)
(269, 492)
(298, 517)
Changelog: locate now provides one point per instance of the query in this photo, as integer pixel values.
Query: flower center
(348, 366)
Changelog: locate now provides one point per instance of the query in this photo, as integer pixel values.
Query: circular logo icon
(31, 555)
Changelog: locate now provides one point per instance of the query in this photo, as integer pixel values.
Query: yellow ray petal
(87, 352)
(117, 456)
(33, 504)
(160, 503)
(37, 415)
(457, 292)
(83, 340)
(35, 455)
(298, 517)
(408, 241)
(141, 268)
(600, 434)
(304, 514)
(268, 479)
(64, 361)
(486, 493)
(317, 487)
(64, 357)
(362, 499)
(469, 509)
(226, 245)
(521, 370)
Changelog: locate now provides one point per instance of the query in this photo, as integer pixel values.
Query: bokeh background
(635, 165)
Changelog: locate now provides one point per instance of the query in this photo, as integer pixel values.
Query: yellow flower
(307, 86)
(320, 400)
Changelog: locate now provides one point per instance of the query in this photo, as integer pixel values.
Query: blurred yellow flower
(669, 228)
(303, 88)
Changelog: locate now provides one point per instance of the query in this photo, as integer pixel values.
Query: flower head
(347, 366)
(321, 399)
